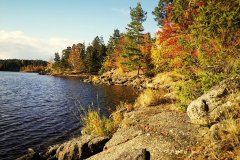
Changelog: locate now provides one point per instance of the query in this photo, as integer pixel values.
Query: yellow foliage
(93, 124)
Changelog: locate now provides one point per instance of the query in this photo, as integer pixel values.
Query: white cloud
(121, 10)
(15, 44)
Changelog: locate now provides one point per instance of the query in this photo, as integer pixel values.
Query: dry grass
(93, 124)
(224, 139)
(168, 79)
(151, 98)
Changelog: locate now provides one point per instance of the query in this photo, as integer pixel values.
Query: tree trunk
(138, 70)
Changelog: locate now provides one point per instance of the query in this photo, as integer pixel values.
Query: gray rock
(77, 148)
(136, 154)
(211, 107)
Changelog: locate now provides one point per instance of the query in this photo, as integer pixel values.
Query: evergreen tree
(95, 54)
(113, 41)
(65, 57)
(135, 38)
(57, 60)
(160, 12)
(89, 59)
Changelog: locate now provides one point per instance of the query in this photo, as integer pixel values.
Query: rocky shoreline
(159, 131)
(111, 78)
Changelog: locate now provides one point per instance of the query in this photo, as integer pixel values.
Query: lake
(37, 111)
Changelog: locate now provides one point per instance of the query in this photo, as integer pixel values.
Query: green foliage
(95, 55)
(112, 42)
(57, 61)
(101, 71)
(196, 86)
(216, 19)
(65, 56)
(160, 11)
(149, 74)
(209, 79)
(133, 54)
(186, 92)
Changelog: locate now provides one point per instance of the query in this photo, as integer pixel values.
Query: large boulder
(78, 148)
(75, 149)
(220, 101)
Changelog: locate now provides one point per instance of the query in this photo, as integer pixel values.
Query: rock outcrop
(77, 148)
(112, 78)
(150, 133)
(217, 114)
(214, 105)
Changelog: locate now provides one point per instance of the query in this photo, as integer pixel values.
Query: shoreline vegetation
(20, 65)
(189, 77)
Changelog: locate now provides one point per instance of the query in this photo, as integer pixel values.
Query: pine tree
(160, 11)
(65, 56)
(95, 54)
(57, 60)
(113, 41)
(135, 38)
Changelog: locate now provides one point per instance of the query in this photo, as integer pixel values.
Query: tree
(134, 38)
(57, 60)
(115, 60)
(65, 56)
(160, 12)
(145, 49)
(76, 57)
(95, 54)
(113, 42)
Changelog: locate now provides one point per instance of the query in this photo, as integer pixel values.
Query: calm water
(38, 111)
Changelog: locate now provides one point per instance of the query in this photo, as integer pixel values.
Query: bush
(149, 74)
(207, 80)
(101, 71)
(186, 92)
(93, 124)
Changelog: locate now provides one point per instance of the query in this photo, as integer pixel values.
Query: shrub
(149, 74)
(101, 71)
(209, 79)
(93, 124)
(186, 92)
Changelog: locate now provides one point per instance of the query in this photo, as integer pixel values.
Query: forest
(22, 65)
(199, 39)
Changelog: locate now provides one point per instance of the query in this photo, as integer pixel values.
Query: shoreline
(152, 128)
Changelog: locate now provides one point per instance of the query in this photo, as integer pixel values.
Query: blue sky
(35, 29)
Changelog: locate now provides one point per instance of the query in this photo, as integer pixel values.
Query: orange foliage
(168, 8)
(145, 48)
(177, 64)
(74, 58)
(115, 59)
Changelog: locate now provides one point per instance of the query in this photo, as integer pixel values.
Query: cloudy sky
(35, 29)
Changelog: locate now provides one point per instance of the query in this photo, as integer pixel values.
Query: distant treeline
(17, 64)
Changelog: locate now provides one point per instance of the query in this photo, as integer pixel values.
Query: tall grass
(94, 124)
